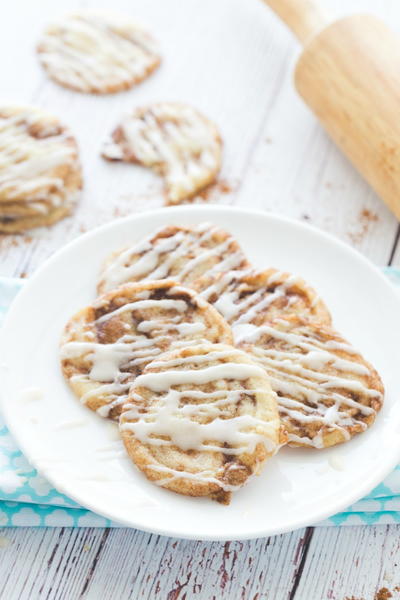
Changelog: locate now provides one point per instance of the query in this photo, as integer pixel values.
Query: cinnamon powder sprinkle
(383, 594)
(221, 186)
(366, 218)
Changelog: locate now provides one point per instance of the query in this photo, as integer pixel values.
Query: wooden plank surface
(350, 563)
(233, 60)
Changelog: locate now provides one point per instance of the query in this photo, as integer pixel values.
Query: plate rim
(172, 531)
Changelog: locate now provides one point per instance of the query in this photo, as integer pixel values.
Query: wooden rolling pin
(349, 75)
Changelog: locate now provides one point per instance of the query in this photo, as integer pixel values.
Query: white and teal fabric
(27, 499)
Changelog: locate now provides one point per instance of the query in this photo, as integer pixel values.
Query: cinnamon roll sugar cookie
(97, 52)
(106, 345)
(174, 140)
(40, 174)
(327, 392)
(256, 297)
(183, 253)
(201, 420)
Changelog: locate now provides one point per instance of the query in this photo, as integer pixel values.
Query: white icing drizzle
(175, 140)
(97, 52)
(164, 304)
(177, 255)
(198, 419)
(159, 382)
(313, 383)
(203, 476)
(114, 394)
(111, 366)
(197, 359)
(241, 312)
(28, 164)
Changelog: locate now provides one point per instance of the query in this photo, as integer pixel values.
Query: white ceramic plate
(81, 454)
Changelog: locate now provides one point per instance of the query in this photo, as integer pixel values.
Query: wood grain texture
(328, 563)
(305, 18)
(234, 60)
(357, 101)
(276, 155)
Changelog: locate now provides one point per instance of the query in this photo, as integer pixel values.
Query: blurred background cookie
(97, 52)
(173, 139)
(40, 173)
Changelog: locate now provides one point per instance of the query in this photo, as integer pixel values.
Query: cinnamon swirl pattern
(40, 174)
(174, 140)
(106, 345)
(183, 253)
(209, 380)
(327, 392)
(201, 420)
(256, 297)
(97, 52)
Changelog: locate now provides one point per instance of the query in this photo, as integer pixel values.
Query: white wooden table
(233, 60)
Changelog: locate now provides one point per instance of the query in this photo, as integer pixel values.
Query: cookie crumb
(86, 548)
(368, 215)
(212, 191)
(4, 542)
(223, 186)
(383, 594)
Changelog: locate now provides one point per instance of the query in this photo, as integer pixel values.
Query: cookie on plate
(256, 297)
(97, 52)
(183, 253)
(327, 392)
(201, 420)
(106, 345)
(40, 174)
(173, 139)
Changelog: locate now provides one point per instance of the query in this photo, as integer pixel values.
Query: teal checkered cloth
(27, 499)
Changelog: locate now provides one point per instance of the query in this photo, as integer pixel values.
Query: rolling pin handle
(304, 17)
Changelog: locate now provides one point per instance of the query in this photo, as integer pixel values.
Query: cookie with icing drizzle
(40, 178)
(327, 392)
(255, 297)
(176, 141)
(201, 420)
(106, 345)
(97, 52)
(183, 253)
